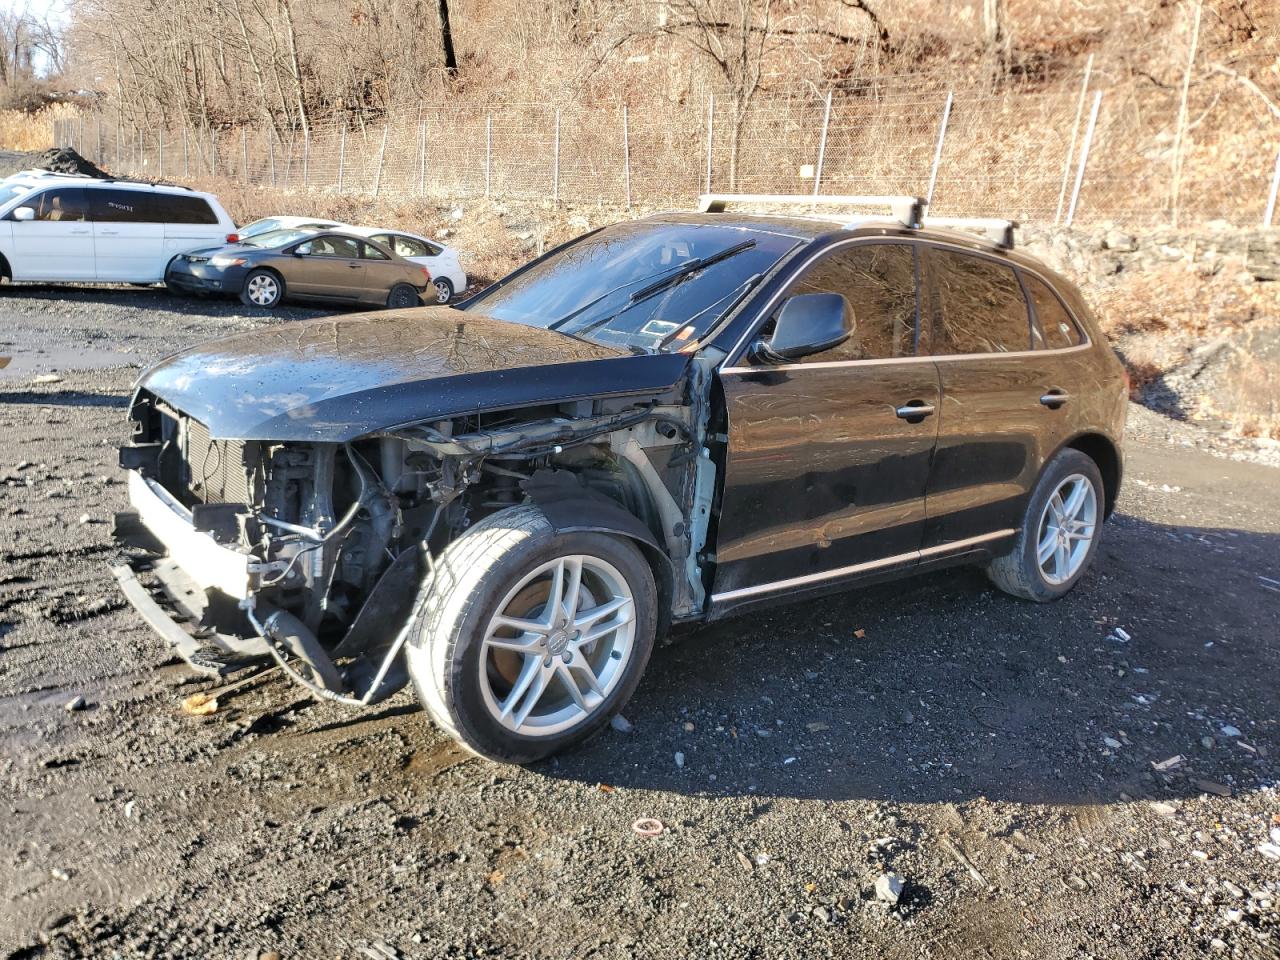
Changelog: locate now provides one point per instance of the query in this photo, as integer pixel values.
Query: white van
(81, 229)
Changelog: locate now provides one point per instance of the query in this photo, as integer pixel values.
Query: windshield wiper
(608, 293)
(688, 268)
(735, 297)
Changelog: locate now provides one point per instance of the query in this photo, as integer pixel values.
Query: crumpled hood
(338, 378)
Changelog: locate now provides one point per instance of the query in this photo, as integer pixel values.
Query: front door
(58, 243)
(331, 268)
(828, 456)
(1006, 399)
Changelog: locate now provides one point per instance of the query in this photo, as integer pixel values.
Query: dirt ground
(1012, 764)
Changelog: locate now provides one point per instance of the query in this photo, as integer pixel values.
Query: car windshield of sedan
(643, 285)
(275, 239)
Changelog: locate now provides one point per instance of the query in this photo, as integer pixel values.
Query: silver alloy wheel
(444, 290)
(263, 290)
(1067, 526)
(558, 645)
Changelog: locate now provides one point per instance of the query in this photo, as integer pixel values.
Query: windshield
(276, 238)
(11, 190)
(646, 285)
(259, 227)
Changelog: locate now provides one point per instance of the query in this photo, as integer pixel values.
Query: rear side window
(175, 208)
(1055, 325)
(879, 281)
(67, 204)
(976, 305)
(369, 252)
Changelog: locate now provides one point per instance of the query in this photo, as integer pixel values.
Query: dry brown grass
(20, 130)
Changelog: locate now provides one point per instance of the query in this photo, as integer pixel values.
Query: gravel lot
(996, 756)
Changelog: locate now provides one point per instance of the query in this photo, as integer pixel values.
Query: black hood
(338, 378)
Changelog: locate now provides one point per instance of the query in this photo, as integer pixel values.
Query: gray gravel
(1012, 764)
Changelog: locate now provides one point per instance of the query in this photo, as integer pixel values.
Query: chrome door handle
(914, 410)
(1055, 398)
(354, 266)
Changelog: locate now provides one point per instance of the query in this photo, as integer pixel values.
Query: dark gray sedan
(307, 264)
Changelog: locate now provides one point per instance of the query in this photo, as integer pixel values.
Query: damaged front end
(317, 555)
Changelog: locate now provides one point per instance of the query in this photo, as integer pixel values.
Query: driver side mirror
(808, 323)
(24, 214)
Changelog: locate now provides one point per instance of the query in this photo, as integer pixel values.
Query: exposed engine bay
(330, 545)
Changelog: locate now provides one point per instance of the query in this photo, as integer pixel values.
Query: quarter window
(976, 306)
(369, 252)
(879, 281)
(405, 246)
(176, 208)
(1055, 324)
(61, 206)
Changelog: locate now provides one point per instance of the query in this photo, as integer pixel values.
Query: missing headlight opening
(319, 555)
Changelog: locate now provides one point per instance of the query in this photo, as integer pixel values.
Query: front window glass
(879, 281)
(343, 247)
(67, 204)
(645, 285)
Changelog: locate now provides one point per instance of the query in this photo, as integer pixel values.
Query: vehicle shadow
(942, 689)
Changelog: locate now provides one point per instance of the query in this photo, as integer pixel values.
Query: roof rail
(999, 232)
(909, 211)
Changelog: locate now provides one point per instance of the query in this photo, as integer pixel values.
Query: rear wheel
(262, 288)
(1059, 533)
(532, 639)
(402, 295)
(444, 289)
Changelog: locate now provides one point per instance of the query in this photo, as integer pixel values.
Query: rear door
(128, 235)
(58, 243)
(381, 272)
(828, 456)
(1005, 404)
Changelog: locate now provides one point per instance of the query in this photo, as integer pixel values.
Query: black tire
(1019, 572)
(402, 297)
(443, 288)
(267, 280)
(473, 576)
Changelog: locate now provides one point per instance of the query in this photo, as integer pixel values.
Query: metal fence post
(97, 138)
(937, 153)
(422, 157)
(186, 165)
(244, 155)
(342, 155)
(271, 154)
(1271, 197)
(382, 156)
(488, 154)
(555, 164)
(626, 154)
(1084, 157)
(1181, 131)
(306, 157)
(822, 147)
(1075, 133)
(161, 153)
(711, 118)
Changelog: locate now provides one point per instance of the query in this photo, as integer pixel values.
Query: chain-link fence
(1034, 157)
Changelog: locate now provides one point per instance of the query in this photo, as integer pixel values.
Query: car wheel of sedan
(444, 290)
(532, 640)
(262, 288)
(1059, 533)
(402, 296)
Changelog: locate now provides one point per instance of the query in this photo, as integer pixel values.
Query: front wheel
(532, 639)
(1059, 533)
(262, 288)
